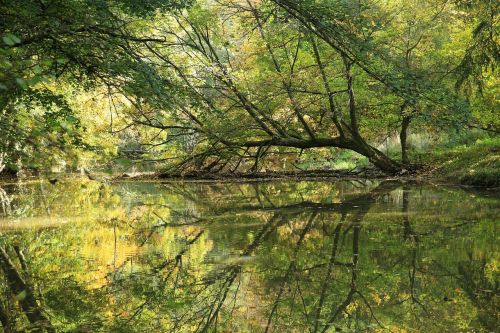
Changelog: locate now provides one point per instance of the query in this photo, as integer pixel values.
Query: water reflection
(82, 256)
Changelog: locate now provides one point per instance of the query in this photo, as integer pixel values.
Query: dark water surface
(309, 256)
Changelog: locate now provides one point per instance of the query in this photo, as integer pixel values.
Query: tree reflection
(270, 257)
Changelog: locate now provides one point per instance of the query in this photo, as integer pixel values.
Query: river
(276, 256)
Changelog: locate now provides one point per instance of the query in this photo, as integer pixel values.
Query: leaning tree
(256, 76)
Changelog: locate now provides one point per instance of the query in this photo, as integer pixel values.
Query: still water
(308, 256)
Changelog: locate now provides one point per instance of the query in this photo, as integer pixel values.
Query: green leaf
(124, 162)
(37, 69)
(22, 83)
(7, 64)
(15, 39)
(7, 40)
(72, 119)
(11, 39)
(21, 295)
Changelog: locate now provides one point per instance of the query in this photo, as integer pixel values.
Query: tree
(226, 85)
(83, 43)
(222, 90)
(258, 78)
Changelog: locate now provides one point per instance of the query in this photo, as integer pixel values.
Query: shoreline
(423, 175)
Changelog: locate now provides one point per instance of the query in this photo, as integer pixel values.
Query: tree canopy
(232, 84)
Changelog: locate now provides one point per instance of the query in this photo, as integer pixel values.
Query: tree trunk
(353, 142)
(403, 136)
(2, 164)
(375, 156)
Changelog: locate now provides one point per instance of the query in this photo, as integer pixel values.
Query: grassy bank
(476, 164)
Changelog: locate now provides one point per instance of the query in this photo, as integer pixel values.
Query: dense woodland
(244, 85)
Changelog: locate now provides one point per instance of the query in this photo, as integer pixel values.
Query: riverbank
(476, 164)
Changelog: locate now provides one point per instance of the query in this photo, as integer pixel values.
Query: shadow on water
(81, 256)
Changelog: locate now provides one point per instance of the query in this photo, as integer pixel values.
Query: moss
(477, 164)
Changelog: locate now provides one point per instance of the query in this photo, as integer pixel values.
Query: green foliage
(223, 86)
(89, 44)
(483, 52)
(149, 7)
